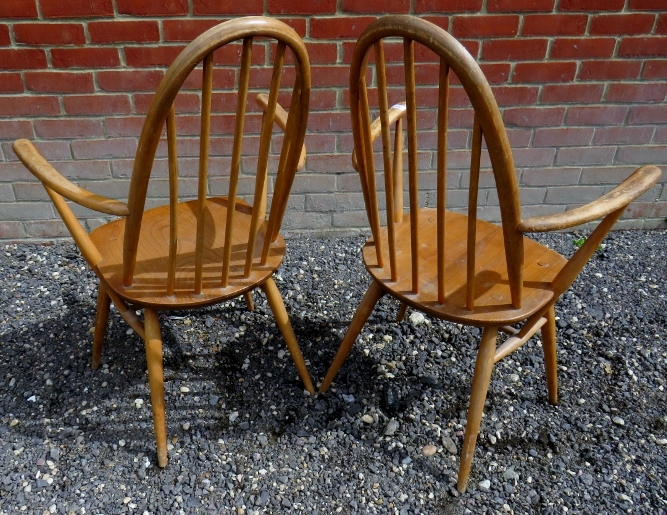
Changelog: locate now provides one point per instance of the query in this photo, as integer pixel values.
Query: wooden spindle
(236, 157)
(472, 211)
(443, 108)
(204, 141)
(259, 202)
(173, 199)
(397, 171)
(386, 154)
(409, 53)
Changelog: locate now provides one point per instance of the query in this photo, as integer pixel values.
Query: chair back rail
(162, 111)
(487, 122)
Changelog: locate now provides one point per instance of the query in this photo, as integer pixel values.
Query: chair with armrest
(446, 264)
(201, 252)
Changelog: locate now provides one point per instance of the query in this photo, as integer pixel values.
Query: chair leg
(156, 381)
(480, 386)
(282, 319)
(401, 312)
(550, 359)
(248, 300)
(371, 298)
(103, 304)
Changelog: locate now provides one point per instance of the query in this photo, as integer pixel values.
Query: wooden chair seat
(493, 302)
(149, 287)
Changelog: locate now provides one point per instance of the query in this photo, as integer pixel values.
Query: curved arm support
(50, 177)
(281, 120)
(634, 186)
(394, 114)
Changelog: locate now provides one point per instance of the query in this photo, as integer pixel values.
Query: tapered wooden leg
(480, 385)
(550, 359)
(401, 312)
(280, 313)
(156, 381)
(248, 300)
(103, 304)
(371, 298)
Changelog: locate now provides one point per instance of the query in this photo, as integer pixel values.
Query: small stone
(41, 462)
(417, 318)
(121, 443)
(485, 485)
(129, 331)
(185, 389)
(449, 445)
(14, 422)
(492, 439)
(661, 441)
(245, 425)
(209, 321)
(387, 338)
(213, 400)
(55, 454)
(510, 475)
(514, 378)
(618, 421)
(368, 419)
(126, 500)
(233, 416)
(186, 425)
(391, 428)
(429, 450)
(348, 398)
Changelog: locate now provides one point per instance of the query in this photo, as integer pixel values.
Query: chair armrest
(50, 177)
(637, 184)
(280, 118)
(394, 113)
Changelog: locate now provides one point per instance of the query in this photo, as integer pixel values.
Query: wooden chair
(446, 264)
(190, 254)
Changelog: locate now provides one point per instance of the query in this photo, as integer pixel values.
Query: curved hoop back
(488, 121)
(161, 112)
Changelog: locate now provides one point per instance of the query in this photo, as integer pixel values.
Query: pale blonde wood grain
(173, 199)
(475, 159)
(441, 194)
(411, 103)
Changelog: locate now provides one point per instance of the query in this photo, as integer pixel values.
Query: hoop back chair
(447, 264)
(204, 251)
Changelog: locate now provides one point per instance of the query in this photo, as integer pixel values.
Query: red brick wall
(582, 86)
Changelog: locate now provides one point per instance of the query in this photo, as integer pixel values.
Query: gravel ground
(244, 438)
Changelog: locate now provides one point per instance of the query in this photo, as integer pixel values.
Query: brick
(123, 31)
(515, 95)
(302, 7)
(563, 137)
(573, 194)
(550, 176)
(372, 6)
(485, 26)
(495, 73)
(605, 175)
(533, 157)
(104, 148)
(585, 156)
(49, 33)
(4, 35)
(609, 70)
(298, 24)
(185, 103)
(10, 230)
(533, 117)
(514, 50)
(596, 115)
(30, 191)
(554, 24)
(14, 129)
(328, 122)
(59, 82)
(339, 27)
(641, 154)
(26, 211)
(655, 69)
(85, 58)
(18, 9)
(661, 27)
(621, 24)
(75, 8)
(6, 193)
(648, 114)
(648, 5)
(655, 46)
(544, 72)
(660, 135)
(520, 5)
(129, 80)
(46, 229)
(328, 76)
(295, 220)
(572, 93)
(591, 5)
(329, 163)
(582, 48)
(148, 56)
(30, 106)
(96, 104)
(21, 59)
(124, 126)
(153, 7)
(622, 135)
(247, 7)
(11, 83)
(447, 6)
(633, 93)
(68, 128)
(186, 30)
(52, 150)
